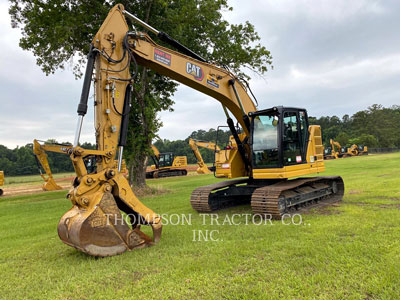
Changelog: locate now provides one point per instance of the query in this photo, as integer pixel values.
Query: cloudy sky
(329, 56)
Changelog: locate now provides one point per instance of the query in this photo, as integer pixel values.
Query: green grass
(350, 251)
(30, 179)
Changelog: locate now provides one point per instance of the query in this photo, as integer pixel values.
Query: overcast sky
(333, 57)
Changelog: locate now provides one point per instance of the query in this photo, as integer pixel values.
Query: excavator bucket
(51, 185)
(96, 226)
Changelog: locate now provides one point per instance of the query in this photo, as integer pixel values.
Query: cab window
(265, 141)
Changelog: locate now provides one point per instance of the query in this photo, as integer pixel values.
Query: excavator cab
(167, 165)
(279, 137)
(327, 151)
(166, 159)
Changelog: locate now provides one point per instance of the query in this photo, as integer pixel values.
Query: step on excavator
(166, 165)
(1, 182)
(275, 144)
(194, 145)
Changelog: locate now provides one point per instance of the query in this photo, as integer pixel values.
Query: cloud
(330, 57)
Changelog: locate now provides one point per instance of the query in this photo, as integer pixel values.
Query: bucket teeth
(100, 229)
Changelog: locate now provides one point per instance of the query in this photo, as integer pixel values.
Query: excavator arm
(336, 148)
(155, 156)
(194, 144)
(41, 158)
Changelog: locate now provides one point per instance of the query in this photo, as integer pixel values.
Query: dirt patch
(188, 168)
(327, 211)
(65, 179)
(322, 208)
(352, 192)
(359, 203)
(388, 198)
(389, 206)
(65, 183)
(149, 191)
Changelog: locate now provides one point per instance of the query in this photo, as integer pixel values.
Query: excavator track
(166, 173)
(274, 198)
(219, 195)
(285, 196)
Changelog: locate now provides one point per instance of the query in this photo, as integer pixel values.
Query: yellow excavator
(1, 182)
(334, 151)
(362, 150)
(166, 165)
(275, 144)
(41, 158)
(354, 150)
(194, 145)
(350, 151)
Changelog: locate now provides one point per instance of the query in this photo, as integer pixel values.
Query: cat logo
(194, 70)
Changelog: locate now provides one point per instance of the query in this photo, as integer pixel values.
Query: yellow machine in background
(1, 182)
(362, 150)
(166, 165)
(41, 158)
(350, 151)
(275, 144)
(337, 151)
(194, 144)
(334, 151)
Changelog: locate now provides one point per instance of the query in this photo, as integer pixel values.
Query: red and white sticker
(298, 158)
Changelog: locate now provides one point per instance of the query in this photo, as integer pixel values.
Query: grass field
(31, 179)
(349, 251)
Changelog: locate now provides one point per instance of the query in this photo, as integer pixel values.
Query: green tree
(56, 31)
(365, 140)
(342, 138)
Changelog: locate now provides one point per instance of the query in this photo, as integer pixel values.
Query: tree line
(375, 127)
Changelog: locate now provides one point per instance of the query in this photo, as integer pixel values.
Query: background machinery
(41, 158)
(350, 151)
(194, 144)
(275, 144)
(362, 150)
(166, 165)
(334, 151)
(337, 151)
(1, 182)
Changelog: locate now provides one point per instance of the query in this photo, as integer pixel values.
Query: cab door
(294, 136)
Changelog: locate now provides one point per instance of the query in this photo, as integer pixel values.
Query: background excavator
(337, 151)
(334, 151)
(194, 144)
(42, 162)
(1, 182)
(166, 165)
(274, 144)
